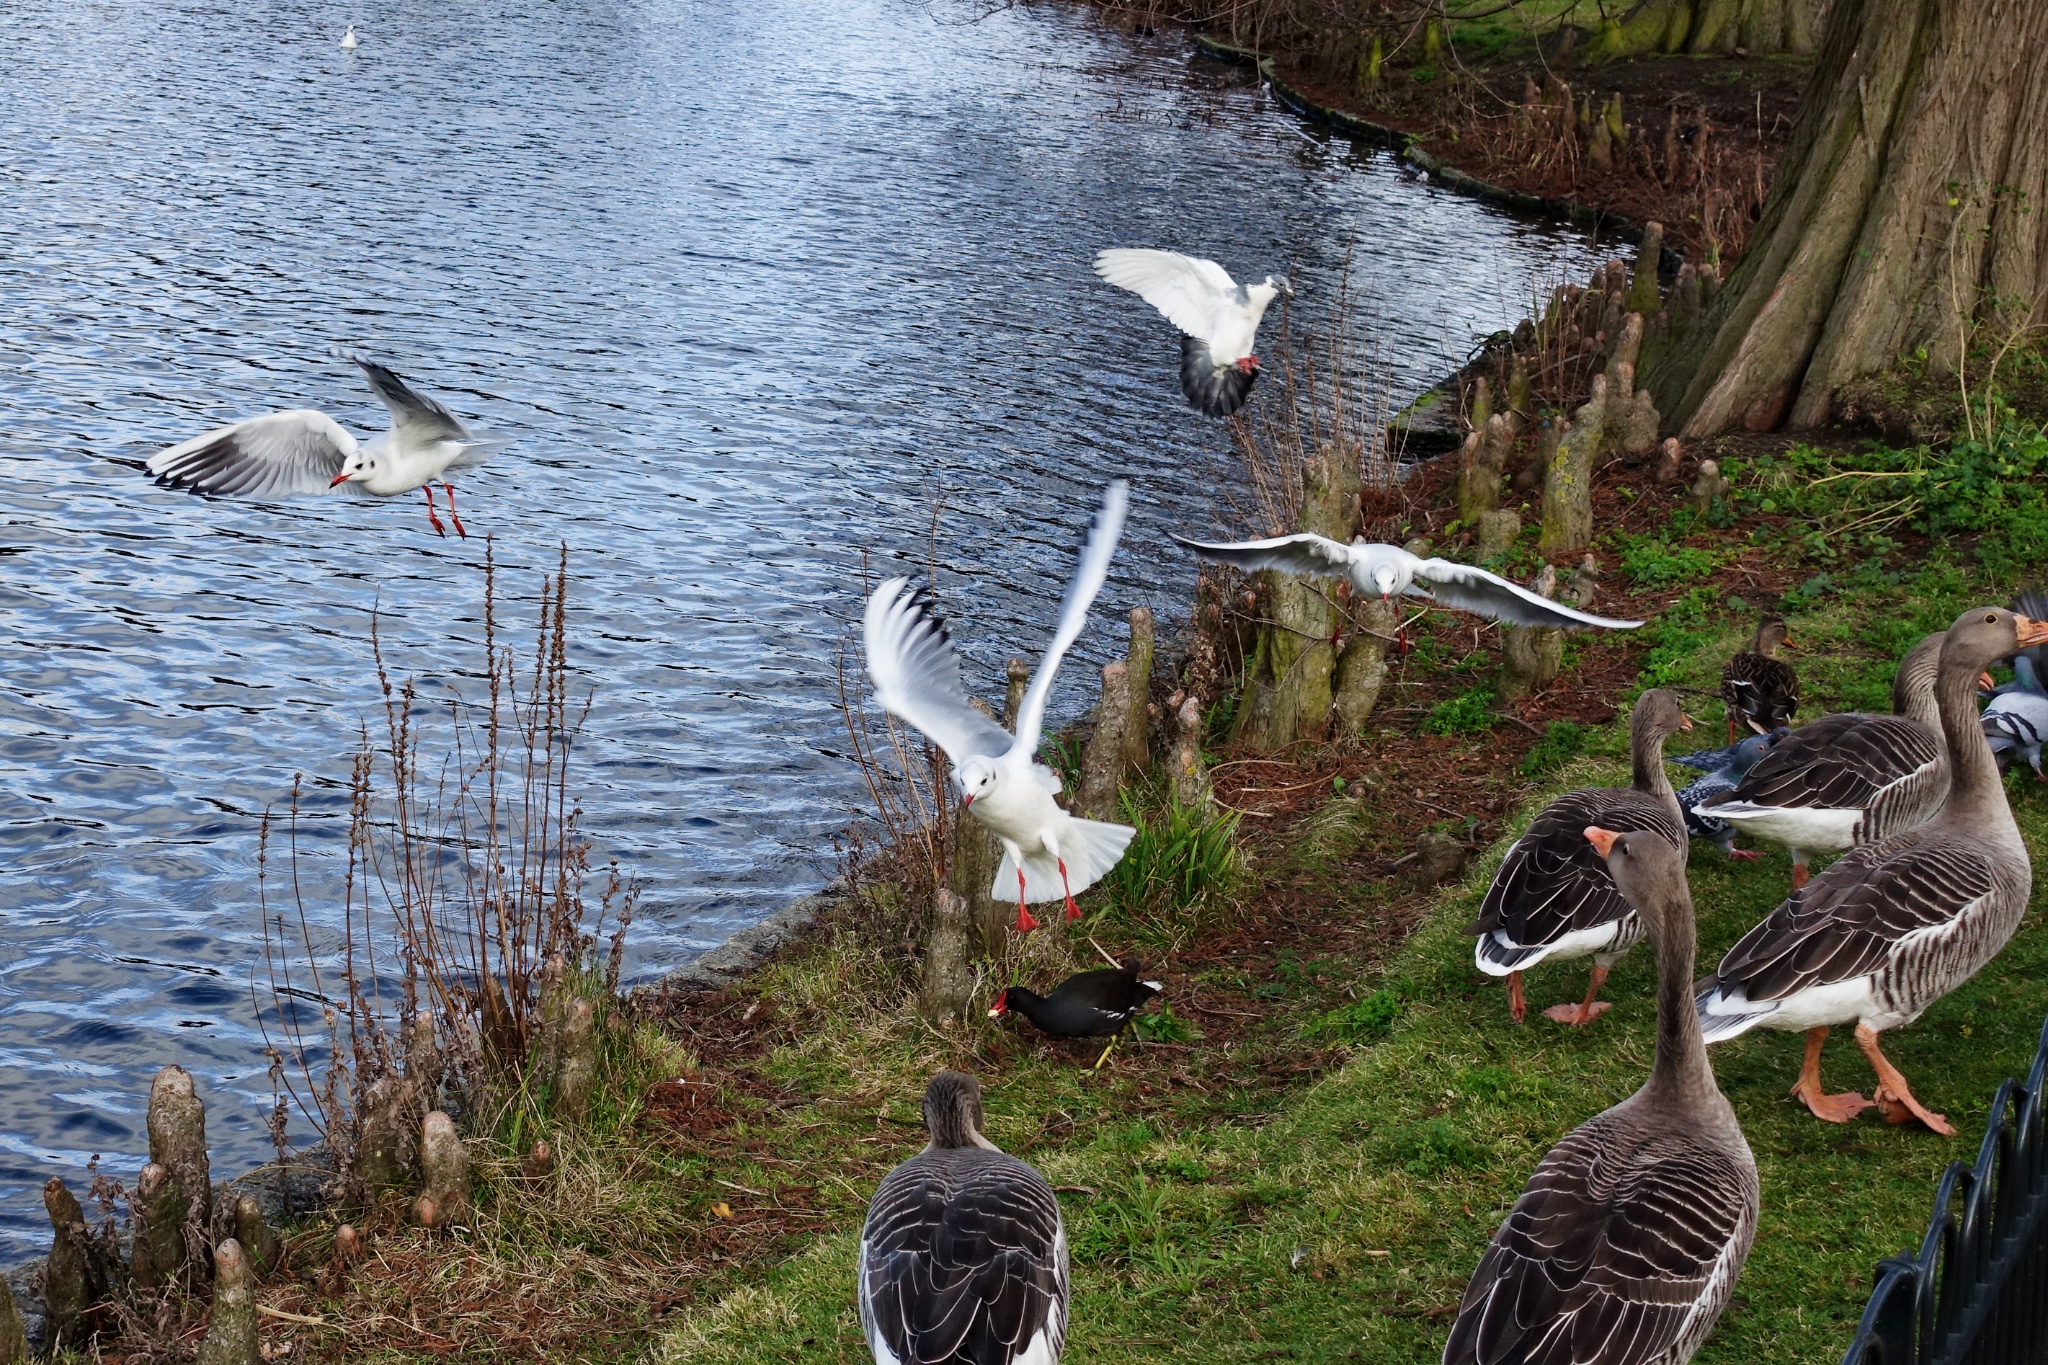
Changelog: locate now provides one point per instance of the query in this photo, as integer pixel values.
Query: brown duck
(1760, 688)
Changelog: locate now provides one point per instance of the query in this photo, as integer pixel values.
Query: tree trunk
(1713, 28)
(1904, 213)
(1138, 728)
(1286, 694)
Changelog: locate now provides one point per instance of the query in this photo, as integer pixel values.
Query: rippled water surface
(743, 285)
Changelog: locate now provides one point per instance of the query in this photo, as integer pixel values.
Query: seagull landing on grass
(1217, 316)
(1387, 571)
(305, 451)
(1047, 852)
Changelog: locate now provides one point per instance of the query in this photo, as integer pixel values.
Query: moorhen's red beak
(1601, 839)
(339, 479)
(998, 1008)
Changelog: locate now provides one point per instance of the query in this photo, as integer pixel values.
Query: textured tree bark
(1905, 209)
(1362, 668)
(1286, 693)
(1102, 762)
(1713, 27)
(1568, 482)
(948, 982)
(971, 870)
(231, 1336)
(1138, 728)
(1531, 655)
(74, 1278)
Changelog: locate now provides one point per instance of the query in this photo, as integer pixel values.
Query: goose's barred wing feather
(1618, 1244)
(963, 1258)
(1552, 881)
(1845, 922)
(1838, 762)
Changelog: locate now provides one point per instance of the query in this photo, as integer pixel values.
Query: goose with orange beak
(1892, 927)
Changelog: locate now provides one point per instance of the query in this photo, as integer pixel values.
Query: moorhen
(1090, 1005)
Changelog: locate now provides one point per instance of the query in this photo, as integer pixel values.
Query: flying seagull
(1384, 571)
(306, 451)
(1217, 316)
(1049, 853)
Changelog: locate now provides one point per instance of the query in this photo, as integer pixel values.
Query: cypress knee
(1362, 669)
(1568, 483)
(177, 1138)
(948, 982)
(1138, 727)
(1191, 785)
(444, 1162)
(1102, 762)
(575, 1080)
(1531, 655)
(385, 1156)
(1643, 295)
(13, 1333)
(258, 1240)
(231, 1327)
(158, 1207)
(74, 1278)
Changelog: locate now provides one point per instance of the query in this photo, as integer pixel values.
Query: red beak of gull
(339, 480)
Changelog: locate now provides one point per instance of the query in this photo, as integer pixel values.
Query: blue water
(745, 286)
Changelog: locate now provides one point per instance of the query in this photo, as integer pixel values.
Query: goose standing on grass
(963, 1259)
(1847, 779)
(1048, 852)
(1626, 1242)
(1720, 770)
(1388, 571)
(1760, 688)
(306, 451)
(1892, 927)
(2016, 722)
(348, 39)
(1552, 898)
(1217, 316)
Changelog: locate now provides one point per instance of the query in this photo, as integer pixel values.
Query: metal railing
(1977, 1291)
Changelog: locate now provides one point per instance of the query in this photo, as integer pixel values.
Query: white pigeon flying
(1383, 571)
(1217, 316)
(1047, 852)
(348, 39)
(306, 451)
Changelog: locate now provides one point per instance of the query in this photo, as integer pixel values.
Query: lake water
(745, 285)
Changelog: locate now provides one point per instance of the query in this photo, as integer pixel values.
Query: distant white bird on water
(348, 39)
(1385, 571)
(1217, 316)
(1048, 853)
(306, 451)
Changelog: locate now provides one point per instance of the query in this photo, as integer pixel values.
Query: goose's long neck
(1680, 1068)
(1913, 688)
(1974, 792)
(1646, 756)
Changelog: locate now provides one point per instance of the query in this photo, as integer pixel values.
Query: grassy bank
(1339, 1219)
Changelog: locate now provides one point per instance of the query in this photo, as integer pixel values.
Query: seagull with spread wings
(1387, 571)
(1217, 316)
(306, 451)
(1047, 852)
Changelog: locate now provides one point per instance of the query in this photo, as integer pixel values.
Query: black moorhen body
(1086, 1006)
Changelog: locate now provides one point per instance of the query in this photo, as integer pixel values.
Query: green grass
(1342, 1226)
(1467, 713)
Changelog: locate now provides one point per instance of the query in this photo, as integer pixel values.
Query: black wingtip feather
(1218, 390)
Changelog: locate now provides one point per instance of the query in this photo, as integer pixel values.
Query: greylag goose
(1552, 899)
(963, 1259)
(1386, 571)
(1851, 778)
(1761, 690)
(1627, 1241)
(306, 451)
(1218, 318)
(1720, 770)
(1048, 852)
(2016, 722)
(1892, 927)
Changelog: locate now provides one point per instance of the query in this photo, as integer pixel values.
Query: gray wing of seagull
(1301, 554)
(1475, 590)
(275, 455)
(1093, 567)
(418, 421)
(917, 675)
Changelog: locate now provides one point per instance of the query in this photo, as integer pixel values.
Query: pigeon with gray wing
(1387, 571)
(1217, 316)
(1048, 852)
(306, 451)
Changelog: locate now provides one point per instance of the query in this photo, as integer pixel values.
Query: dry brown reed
(463, 893)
